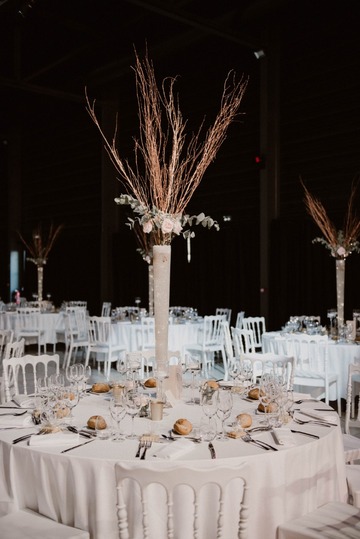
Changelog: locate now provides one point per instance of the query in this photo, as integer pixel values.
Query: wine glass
(192, 365)
(224, 407)
(209, 403)
(133, 405)
(118, 412)
(69, 396)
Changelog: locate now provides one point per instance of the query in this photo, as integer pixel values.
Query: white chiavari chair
(102, 342)
(258, 326)
(177, 484)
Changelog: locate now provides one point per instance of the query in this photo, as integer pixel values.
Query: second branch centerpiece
(171, 169)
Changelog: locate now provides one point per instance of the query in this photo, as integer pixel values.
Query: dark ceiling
(54, 47)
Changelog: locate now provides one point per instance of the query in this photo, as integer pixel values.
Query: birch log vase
(151, 289)
(340, 290)
(40, 281)
(161, 268)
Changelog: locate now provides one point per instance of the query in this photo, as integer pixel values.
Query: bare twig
(172, 168)
(40, 245)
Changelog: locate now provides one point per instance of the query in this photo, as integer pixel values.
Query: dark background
(53, 168)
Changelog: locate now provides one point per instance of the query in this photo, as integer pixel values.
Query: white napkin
(283, 437)
(57, 438)
(24, 401)
(15, 422)
(174, 449)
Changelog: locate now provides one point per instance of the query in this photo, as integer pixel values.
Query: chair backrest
(183, 500)
(282, 366)
(147, 361)
(243, 341)
(6, 337)
(147, 333)
(228, 345)
(15, 349)
(18, 369)
(239, 318)
(309, 351)
(99, 330)
(257, 326)
(76, 324)
(226, 312)
(27, 320)
(353, 376)
(212, 330)
(106, 308)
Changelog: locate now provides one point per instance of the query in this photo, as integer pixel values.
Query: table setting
(222, 424)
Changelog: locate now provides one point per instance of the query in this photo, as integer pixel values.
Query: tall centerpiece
(172, 166)
(39, 248)
(341, 243)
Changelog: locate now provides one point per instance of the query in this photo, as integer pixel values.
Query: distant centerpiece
(341, 243)
(172, 168)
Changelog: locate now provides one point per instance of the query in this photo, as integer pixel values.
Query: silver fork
(313, 422)
(247, 438)
(141, 446)
(19, 413)
(147, 445)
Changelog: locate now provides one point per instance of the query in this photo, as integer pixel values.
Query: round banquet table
(181, 334)
(340, 355)
(50, 324)
(78, 487)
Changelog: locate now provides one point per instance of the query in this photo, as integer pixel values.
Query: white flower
(177, 227)
(341, 251)
(147, 227)
(167, 226)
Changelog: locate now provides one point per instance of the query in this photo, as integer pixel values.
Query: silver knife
(76, 446)
(305, 433)
(212, 450)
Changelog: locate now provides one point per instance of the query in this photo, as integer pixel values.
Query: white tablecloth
(180, 335)
(340, 355)
(50, 323)
(78, 487)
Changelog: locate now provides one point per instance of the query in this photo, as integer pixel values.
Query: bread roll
(244, 420)
(49, 429)
(150, 382)
(269, 408)
(96, 421)
(100, 387)
(182, 426)
(254, 393)
(212, 384)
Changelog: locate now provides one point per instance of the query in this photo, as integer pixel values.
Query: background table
(180, 334)
(50, 323)
(340, 355)
(78, 487)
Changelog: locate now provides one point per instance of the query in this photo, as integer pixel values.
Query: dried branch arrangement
(41, 245)
(172, 164)
(340, 242)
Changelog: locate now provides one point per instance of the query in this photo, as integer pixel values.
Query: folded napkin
(56, 438)
(174, 449)
(24, 401)
(15, 422)
(283, 437)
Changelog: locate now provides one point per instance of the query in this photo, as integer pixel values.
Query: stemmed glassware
(331, 314)
(118, 412)
(69, 397)
(224, 407)
(192, 365)
(209, 403)
(133, 403)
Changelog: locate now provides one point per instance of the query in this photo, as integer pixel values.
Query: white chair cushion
(334, 520)
(26, 524)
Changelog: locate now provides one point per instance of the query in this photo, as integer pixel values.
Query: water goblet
(192, 365)
(69, 397)
(209, 403)
(117, 412)
(224, 407)
(133, 403)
